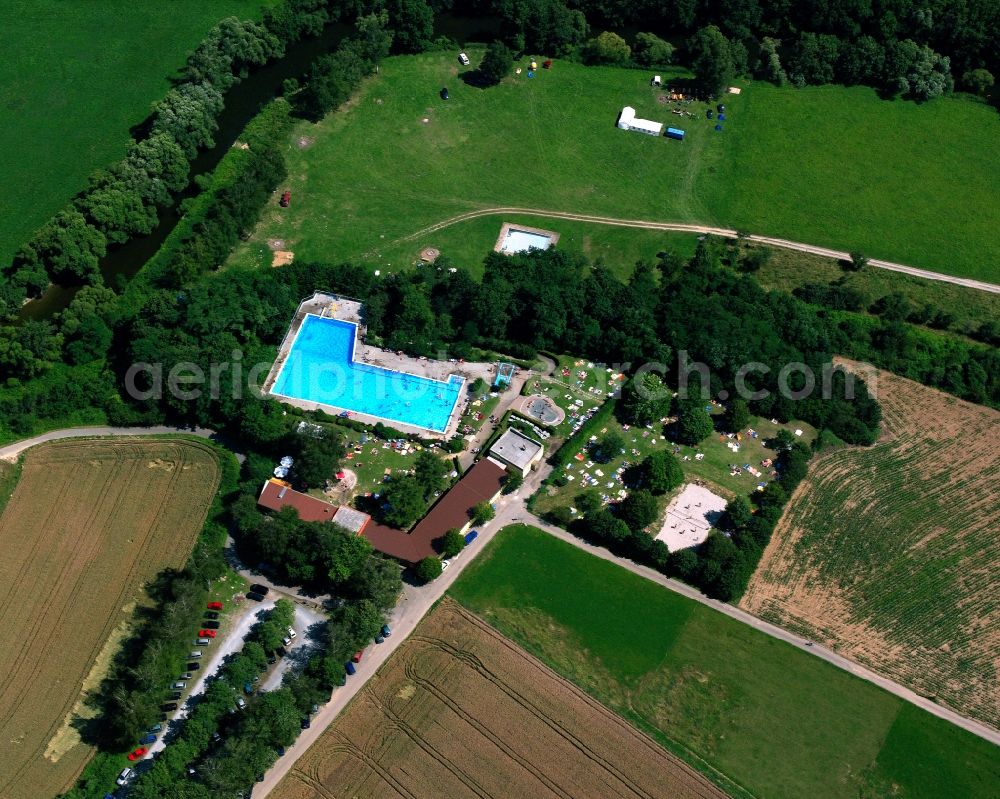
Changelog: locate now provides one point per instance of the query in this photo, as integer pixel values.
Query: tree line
(125, 200)
(901, 47)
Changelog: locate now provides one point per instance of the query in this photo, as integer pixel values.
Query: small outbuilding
(656, 81)
(675, 133)
(517, 451)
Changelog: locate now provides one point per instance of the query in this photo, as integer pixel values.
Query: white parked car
(123, 777)
(291, 633)
(463, 59)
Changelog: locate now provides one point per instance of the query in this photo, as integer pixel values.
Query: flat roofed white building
(517, 451)
(627, 120)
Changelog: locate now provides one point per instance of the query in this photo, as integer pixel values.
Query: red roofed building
(482, 483)
(277, 495)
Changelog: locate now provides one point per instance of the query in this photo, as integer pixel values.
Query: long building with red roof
(482, 483)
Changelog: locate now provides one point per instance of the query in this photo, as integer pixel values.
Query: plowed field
(88, 524)
(891, 555)
(460, 711)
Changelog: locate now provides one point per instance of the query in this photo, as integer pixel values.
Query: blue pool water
(320, 368)
(522, 241)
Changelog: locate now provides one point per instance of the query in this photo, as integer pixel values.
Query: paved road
(677, 227)
(417, 601)
(414, 605)
(11, 451)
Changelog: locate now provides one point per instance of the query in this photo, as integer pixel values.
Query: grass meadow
(774, 720)
(75, 76)
(785, 270)
(826, 165)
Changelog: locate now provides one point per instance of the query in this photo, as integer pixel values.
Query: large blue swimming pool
(320, 368)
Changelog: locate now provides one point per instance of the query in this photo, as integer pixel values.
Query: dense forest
(903, 47)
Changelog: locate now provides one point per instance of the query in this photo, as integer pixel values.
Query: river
(243, 101)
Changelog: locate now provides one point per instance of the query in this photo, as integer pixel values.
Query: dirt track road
(11, 451)
(678, 227)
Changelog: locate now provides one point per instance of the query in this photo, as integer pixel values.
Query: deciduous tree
(693, 422)
(428, 569)
(650, 50)
(452, 543)
(496, 63)
(711, 59)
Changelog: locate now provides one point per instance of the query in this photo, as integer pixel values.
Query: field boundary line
(708, 230)
(978, 728)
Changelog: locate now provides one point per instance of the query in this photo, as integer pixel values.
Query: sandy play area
(690, 516)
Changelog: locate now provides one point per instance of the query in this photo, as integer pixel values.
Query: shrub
(482, 512)
(428, 569)
(452, 543)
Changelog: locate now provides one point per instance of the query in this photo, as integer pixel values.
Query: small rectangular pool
(320, 368)
(522, 241)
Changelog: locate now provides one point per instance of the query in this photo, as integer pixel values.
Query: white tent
(627, 120)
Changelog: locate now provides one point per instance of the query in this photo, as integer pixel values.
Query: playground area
(690, 517)
(540, 408)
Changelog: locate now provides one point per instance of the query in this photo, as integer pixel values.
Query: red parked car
(206, 633)
(286, 198)
(215, 606)
(357, 656)
(138, 754)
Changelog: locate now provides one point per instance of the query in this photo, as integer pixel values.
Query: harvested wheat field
(891, 554)
(460, 711)
(87, 525)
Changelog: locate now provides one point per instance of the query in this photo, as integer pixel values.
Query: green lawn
(771, 718)
(713, 468)
(842, 168)
(786, 270)
(75, 76)
(828, 165)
